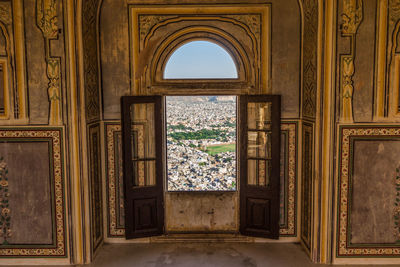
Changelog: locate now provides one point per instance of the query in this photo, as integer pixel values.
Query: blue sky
(199, 60)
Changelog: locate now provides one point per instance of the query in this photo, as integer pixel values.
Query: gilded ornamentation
(5, 13)
(146, 23)
(90, 59)
(347, 88)
(352, 16)
(394, 10)
(344, 197)
(252, 21)
(55, 135)
(351, 19)
(5, 217)
(46, 20)
(310, 47)
(53, 91)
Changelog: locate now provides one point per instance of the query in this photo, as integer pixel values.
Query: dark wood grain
(259, 205)
(144, 209)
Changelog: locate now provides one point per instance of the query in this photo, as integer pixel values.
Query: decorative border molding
(96, 196)
(307, 185)
(145, 20)
(290, 228)
(352, 16)
(310, 59)
(55, 137)
(343, 247)
(46, 20)
(116, 230)
(112, 129)
(90, 9)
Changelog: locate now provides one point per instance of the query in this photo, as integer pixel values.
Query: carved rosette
(351, 19)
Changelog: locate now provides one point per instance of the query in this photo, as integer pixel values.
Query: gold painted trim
(56, 135)
(73, 122)
(6, 92)
(84, 165)
(322, 218)
(380, 68)
(344, 176)
(394, 96)
(262, 9)
(19, 41)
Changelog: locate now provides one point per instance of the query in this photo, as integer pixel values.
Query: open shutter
(142, 128)
(259, 165)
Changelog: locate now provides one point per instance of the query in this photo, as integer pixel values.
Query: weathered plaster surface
(285, 56)
(196, 211)
(36, 67)
(364, 64)
(30, 194)
(114, 42)
(374, 193)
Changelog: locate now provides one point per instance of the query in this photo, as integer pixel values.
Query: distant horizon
(200, 60)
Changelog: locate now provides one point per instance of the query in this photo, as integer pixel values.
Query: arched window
(200, 60)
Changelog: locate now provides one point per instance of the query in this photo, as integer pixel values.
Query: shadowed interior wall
(374, 191)
(32, 179)
(36, 66)
(367, 168)
(90, 11)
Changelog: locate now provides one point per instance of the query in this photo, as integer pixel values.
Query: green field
(214, 150)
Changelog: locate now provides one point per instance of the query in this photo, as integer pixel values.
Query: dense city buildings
(201, 143)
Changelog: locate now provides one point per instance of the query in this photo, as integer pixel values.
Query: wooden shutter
(142, 129)
(259, 165)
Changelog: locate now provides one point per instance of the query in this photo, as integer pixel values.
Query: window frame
(165, 149)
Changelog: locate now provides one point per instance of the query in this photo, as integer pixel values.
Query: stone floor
(203, 254)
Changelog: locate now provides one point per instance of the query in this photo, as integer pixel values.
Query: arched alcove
(200, 60)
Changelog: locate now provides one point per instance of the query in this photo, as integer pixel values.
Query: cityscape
(201, 143)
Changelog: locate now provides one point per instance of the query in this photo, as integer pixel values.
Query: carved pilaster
(352, 16)
(46, 19)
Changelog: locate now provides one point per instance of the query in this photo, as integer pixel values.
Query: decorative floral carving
(351, 19)
(5, 13)
(5, 212)
(252, 21)
(347, 88)
(352, 16)
(394, 11)
(90, 59)
(46, 19)
(310, 58)
(290, 229)
(53, 73)
(146, 22)
(114, 176)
